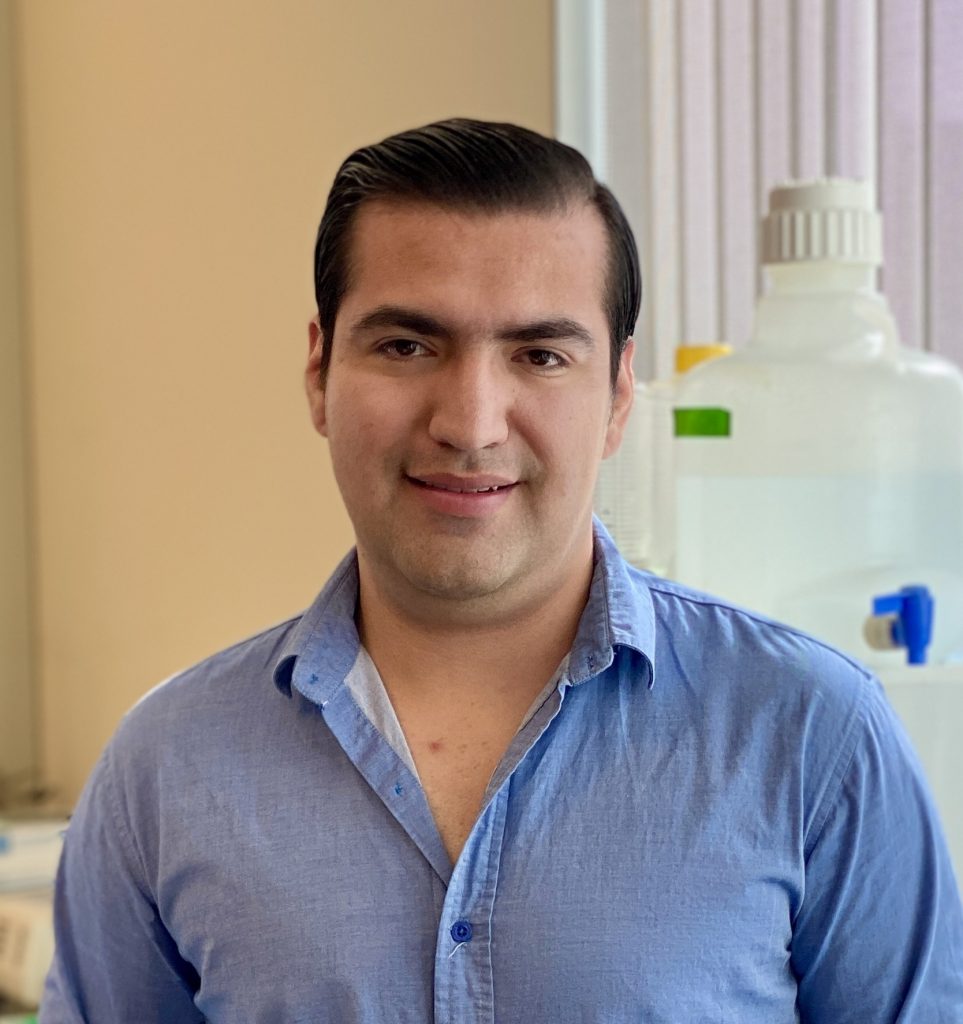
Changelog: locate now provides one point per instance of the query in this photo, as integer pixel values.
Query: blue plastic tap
(911, 611)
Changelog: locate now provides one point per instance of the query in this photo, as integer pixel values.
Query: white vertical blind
(659, 179)
(851, 86)
(581, 79)
(698, 164)
(702, 106)
(772, 26)
(735, 67)
(808, 56)
(903, 160)
(944, 263)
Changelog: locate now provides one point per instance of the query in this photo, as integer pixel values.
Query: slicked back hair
(473, 166)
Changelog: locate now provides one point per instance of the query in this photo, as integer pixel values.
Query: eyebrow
(552, 328)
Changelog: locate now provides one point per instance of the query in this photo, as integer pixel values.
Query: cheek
(363, 431)
(579, 426)
(349, 414)
(568, 438)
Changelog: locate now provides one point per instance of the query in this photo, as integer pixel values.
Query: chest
(594, 892)
(455, 763)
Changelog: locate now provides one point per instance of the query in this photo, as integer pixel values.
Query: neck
(442, 645)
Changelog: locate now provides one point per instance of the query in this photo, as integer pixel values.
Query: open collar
(320, 650)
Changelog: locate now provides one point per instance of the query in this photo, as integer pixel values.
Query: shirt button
(461, 931)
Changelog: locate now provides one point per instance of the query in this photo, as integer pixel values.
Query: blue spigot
(903, 619)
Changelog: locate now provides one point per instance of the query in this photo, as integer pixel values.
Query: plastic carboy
(622, 488)
(633, 495)
(822, 463)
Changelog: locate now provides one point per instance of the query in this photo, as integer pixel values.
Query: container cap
(687, 356)
(825, 219)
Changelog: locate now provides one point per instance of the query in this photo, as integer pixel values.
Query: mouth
(454, 485)
(467, 497)
(460, 490)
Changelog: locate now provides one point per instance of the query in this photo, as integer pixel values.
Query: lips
(480, 484)
(478, 497)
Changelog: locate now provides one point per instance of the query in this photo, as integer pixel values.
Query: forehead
(527, 259)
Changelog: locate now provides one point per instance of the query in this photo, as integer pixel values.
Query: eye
(401, 348)
(545, 359)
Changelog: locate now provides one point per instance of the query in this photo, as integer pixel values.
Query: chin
(456, 579)
(457, 585)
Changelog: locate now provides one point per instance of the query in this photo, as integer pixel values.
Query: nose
(470, 405)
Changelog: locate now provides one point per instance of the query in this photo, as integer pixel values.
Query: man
(493, 773)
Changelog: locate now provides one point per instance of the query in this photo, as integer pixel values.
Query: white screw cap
(825, 219)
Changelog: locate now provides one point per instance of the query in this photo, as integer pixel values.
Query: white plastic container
(835, 470)
(623, 487)
(634, 494)
(26, 944)
(930, 702)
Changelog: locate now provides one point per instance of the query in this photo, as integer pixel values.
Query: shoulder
(216, 679)
(810, 725)
(188, 740)
(768, 693)
(202, 701)
(701, 633)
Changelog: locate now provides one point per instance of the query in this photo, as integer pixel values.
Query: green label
(702, 422)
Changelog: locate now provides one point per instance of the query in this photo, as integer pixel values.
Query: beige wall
(176, 156)
(17, 719)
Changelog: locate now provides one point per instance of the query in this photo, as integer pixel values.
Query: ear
(312, 378)
(621, 401)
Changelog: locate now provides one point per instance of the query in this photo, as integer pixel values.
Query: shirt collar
(619, 613)
(320, 650)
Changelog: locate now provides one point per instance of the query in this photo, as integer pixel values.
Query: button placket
(463, 967)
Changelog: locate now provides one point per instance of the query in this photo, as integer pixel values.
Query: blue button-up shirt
(708, 818)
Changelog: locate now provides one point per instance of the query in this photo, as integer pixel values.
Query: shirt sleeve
(879, 932)
(114, 960)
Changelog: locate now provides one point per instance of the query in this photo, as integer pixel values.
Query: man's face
(468, 398)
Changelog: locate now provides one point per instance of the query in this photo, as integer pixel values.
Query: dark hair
(473, 165)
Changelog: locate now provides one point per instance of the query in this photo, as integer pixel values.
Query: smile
(451, 484)
(462, 490)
